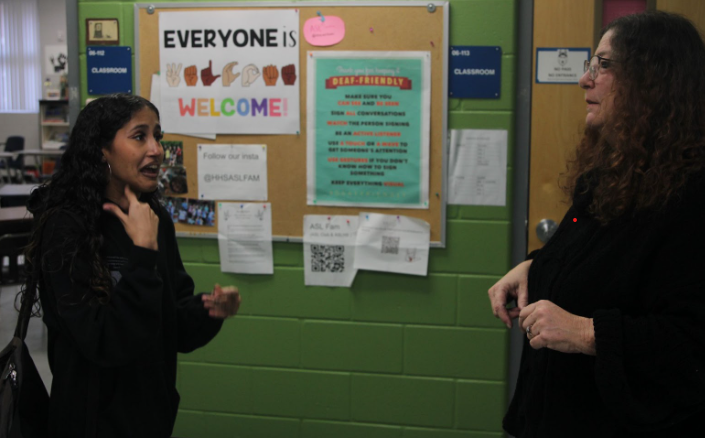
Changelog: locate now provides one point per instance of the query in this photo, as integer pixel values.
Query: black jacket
(642, 280)
(115, 363)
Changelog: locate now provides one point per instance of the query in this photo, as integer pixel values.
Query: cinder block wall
(393, 356)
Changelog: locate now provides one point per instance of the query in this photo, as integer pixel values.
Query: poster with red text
(230, 72)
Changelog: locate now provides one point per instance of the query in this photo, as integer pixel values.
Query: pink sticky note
(324, 33)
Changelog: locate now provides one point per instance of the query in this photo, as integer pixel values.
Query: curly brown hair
(657, 131)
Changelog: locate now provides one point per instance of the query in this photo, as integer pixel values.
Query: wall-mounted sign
(109, 69)
(560, 65)
(475, 72)
(102, 31)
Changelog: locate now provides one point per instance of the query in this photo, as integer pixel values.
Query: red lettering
(187, 109)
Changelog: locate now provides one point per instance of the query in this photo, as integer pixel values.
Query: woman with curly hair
(117, 301)
(613, 305)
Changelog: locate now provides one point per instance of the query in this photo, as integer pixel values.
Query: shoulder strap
(28, 298)
(26, 310)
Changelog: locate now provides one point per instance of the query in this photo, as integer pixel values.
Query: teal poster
(368, 129)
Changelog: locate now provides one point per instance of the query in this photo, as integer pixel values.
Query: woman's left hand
(549, 326)
(223, 302)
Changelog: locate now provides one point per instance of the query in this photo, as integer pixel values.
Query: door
(558, 110)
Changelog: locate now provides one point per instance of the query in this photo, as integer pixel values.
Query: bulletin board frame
(370, 26)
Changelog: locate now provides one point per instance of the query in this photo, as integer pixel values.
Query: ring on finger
(528, 331)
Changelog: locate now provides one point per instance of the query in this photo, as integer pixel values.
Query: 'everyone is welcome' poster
(230, 72)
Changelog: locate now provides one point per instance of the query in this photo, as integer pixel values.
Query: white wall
(26, 125)
(52, 31)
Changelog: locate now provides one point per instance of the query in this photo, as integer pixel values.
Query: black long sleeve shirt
(116, 362)
(641, 280)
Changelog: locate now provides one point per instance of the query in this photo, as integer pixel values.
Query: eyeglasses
(595, 65)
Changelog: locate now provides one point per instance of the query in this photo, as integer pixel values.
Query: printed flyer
(368, 124)
(230, 72)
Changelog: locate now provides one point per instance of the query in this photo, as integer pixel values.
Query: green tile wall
(256, 341)
(479, 404)
(402, 400)
(244, 426)
(439, 433)
(328, 429)
(395, 356)
(352, 346)
(229, 388)
(433, 351)
(297, 393)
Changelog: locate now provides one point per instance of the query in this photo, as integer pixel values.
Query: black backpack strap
(28, 298)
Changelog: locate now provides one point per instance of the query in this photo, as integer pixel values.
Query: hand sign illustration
(411, 254)
(249, 75)
(207, 75)
(172, 74)
(191, 75)
(228, 75)
(289, 74)
(271, 74)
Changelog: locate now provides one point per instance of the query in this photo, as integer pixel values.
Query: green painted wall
(393, 356)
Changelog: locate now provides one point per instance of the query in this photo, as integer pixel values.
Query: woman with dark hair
(613, 305)
(117, 301)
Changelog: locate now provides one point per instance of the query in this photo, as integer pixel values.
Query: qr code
(327, 258)
(390, 245)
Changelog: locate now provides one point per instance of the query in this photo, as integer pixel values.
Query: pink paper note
(324, 33)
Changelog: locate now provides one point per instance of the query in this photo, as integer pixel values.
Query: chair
(11, 246)
(13, 144)
(57, 166)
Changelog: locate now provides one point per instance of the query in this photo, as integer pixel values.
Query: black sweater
(641, 279)
(116, 362)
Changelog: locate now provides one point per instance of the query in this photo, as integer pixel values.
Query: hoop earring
(110, 170)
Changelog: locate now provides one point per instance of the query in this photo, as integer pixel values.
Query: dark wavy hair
(656, 139)
(78, 187)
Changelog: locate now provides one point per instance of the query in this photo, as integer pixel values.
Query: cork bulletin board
(370, 26)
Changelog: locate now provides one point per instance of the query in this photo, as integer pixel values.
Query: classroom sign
(368, 127)
(475, 72)
(109, 69)
(230, 72)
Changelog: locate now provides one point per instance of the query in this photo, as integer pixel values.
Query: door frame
(522, 150)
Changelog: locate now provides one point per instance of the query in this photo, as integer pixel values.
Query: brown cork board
(394, 28)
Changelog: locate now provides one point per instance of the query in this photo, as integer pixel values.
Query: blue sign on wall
(475, 72)
(109, 69)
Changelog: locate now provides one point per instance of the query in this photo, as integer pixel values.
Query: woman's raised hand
(514, 285)
(223, 302)
(140, 222)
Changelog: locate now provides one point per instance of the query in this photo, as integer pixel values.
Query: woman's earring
(110, 171)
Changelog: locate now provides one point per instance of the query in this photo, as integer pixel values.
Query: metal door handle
(545, 229)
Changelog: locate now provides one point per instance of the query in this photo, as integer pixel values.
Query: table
(15, 226)
(41, 152)
(17, 189)
(5, 157)
(36, 153)
(15, 220)
(14, 195)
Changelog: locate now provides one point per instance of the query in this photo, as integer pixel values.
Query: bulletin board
(369, 26)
